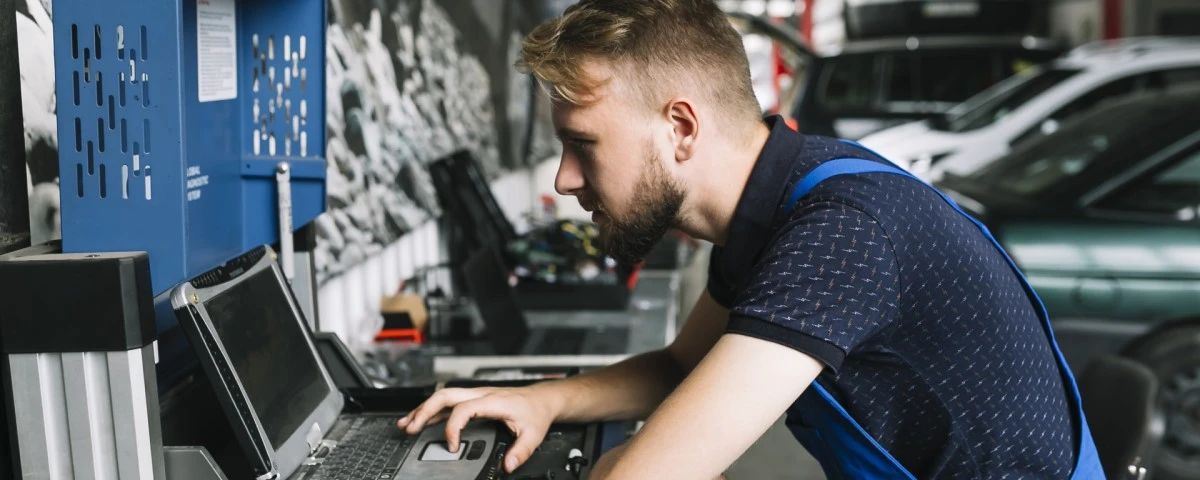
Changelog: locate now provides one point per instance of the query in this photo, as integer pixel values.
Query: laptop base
(387, 453)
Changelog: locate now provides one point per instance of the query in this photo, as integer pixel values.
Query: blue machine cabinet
(172, 117)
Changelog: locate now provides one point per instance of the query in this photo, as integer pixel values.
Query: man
(892, 331)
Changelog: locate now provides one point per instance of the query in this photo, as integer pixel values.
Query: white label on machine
(195, 183)
(216, 45)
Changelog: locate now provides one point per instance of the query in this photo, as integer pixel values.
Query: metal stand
(14, 199)
(283, 182)
(296, 249)
(77, 331)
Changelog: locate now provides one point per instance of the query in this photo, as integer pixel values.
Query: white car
(1033, 103)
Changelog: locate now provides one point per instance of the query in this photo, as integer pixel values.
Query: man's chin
(625, 252)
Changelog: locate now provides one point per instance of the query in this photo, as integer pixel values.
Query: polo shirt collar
(753, 222)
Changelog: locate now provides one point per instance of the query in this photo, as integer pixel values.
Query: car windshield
(848, 82)
(997, 102)
(924, 81)
(1041, 166)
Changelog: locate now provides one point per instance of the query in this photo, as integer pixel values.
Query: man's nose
(569, 180)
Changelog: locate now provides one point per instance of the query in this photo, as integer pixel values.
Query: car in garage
(869, 85)
(1036, 102)
(1103, 218)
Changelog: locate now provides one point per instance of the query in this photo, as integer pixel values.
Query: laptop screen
(266, 344)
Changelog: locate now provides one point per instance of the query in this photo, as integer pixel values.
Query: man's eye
(582, 144)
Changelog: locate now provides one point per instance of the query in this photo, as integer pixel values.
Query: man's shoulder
(818, 149)
(876, 197)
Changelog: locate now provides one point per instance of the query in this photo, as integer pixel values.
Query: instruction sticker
(216, 45)
(195, 183)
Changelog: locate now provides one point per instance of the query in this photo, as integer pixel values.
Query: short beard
(657, 200)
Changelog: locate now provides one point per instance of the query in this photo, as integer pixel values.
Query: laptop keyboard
(373, 448)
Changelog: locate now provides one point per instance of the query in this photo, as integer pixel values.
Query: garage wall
(349, 302)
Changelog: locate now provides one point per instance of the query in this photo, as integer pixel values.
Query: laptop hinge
(314, 438)
(271, 475)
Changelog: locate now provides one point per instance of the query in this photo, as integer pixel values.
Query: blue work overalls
(838, 442)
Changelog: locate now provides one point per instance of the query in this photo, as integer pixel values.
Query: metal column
(14, 199)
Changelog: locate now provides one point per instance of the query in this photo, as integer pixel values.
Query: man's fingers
(443, 399)
(485, 407)
(415, 420)
(436, 419)
(522, 448)
(458, 419)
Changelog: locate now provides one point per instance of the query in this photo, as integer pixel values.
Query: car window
(1107, 91)
(1173, 191)
(955, 76)
(848, 82)
(1175, 21)
(997, 102)
(1087, 143)
(1013, 62)
(1175, 77)
(1052, 163)
(901, 81)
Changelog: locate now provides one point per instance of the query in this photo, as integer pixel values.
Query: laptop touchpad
(437, 452)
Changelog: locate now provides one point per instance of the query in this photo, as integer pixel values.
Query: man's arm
(630, 389)
(634, 388)
(735, 393)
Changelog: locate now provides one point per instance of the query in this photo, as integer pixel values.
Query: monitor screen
(267, 345)
(487, 282)
(468, 200)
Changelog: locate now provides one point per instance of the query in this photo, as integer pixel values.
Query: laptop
(486, 278)
(281, 402)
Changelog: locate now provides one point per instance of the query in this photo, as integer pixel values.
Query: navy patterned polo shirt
(929, 339)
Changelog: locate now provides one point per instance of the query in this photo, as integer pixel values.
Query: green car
(1103, 217)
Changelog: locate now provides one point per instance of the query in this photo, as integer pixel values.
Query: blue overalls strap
(840, 444)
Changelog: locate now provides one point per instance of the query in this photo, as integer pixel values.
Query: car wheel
(1172, 351)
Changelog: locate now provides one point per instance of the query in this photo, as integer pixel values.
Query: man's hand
(522, 410)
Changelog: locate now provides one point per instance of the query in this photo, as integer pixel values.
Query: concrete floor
(776, 455)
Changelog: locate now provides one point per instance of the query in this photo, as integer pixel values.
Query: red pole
(806, 20)
(1112, 18)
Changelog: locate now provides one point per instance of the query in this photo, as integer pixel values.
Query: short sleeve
(718, 287)
(826, 284)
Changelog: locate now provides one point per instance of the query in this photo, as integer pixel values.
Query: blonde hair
(653, 43)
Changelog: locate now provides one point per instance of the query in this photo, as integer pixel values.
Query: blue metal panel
(119, 123)
(211, 151)
(136, 105)
(290, 67)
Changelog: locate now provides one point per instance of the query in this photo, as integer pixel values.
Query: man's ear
(685, 122)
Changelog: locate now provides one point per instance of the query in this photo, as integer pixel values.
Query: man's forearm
(628, 390)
